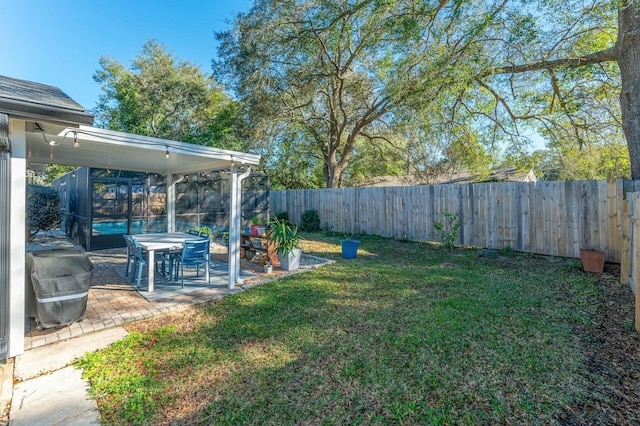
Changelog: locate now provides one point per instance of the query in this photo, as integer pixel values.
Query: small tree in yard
(43, 209)
(448, 228)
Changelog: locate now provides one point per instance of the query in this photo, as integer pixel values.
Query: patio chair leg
(133, 272)
(139, 275)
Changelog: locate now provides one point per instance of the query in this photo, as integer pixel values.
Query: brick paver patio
(112, 301)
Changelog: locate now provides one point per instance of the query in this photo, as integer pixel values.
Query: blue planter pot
(349, 248)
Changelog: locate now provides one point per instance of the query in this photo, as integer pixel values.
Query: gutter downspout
(235, 223)
(5, 236)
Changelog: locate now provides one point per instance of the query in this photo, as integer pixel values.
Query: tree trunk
(332, 174)
(629, 63)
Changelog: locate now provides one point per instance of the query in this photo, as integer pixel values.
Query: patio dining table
(158, 242)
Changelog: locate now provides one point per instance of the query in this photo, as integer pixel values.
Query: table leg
(152, 268)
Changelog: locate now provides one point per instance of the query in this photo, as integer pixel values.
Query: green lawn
(406, 333)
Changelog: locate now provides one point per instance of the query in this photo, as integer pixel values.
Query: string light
(75, 140)
(166, 153)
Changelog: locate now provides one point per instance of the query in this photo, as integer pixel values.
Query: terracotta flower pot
(592, 260)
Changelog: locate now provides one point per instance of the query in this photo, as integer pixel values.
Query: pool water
(137, 227)
(120, 227)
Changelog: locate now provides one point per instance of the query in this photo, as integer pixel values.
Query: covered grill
(57, 286)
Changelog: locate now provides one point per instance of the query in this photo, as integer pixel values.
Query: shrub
(310, 221)
(282, 215)
(448, 229)
(43, 209)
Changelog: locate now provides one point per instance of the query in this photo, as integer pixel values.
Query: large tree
(335, 72)
(559, 67)
(162, 97)
(457, 78)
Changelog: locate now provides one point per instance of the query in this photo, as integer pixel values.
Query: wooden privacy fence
(552, 218)
(630, 262)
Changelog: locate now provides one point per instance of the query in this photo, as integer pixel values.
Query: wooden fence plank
(626, 243)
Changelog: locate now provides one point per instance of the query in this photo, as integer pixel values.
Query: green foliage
(292, 164)
(162, 97)
(508, 251)
(205, 231)
(43, 208)
(225, 238)
(54, 171)
(448, 228)
(284, 235)
(310, 221)
(283, 215)
(591, 162)
(309, 79)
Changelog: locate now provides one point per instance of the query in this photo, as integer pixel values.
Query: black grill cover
(57, 286)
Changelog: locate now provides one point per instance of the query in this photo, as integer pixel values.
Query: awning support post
(235, 223)
(171, 203)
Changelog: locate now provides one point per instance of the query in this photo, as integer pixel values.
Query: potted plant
(592, 260)
(284, 236)
(255, 224)
(349, 246)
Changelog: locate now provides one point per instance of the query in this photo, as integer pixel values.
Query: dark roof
(27, 99)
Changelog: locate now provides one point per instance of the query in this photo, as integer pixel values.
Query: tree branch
(610, 54)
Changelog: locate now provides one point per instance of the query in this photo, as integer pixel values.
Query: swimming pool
(142, 226)
(120, 227)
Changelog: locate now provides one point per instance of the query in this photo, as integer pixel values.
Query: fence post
(636, 259)
(625, 251)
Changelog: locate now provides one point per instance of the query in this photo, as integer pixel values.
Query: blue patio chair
(136, 256)
(130, 252)
(194, 253)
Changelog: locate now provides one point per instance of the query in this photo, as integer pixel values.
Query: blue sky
(60, 42)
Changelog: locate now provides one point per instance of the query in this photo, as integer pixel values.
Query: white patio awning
(89, 146)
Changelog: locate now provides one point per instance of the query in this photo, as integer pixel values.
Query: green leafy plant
(349, 236)
(310, 221)
(43, 209)
(448, 228)
(284, 235)
(205, 231)
(255, 220)
(508, 251)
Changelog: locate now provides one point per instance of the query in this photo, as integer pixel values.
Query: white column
(235, 223)
(171, 204)
(18, 215)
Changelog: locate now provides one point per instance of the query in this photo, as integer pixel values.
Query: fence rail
(553, 218)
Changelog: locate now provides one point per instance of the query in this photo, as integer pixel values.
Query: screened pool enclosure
(99, 205)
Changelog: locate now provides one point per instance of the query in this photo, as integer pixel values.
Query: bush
(310, 221)
(448, 229)
(43, 209)
(282, 215)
